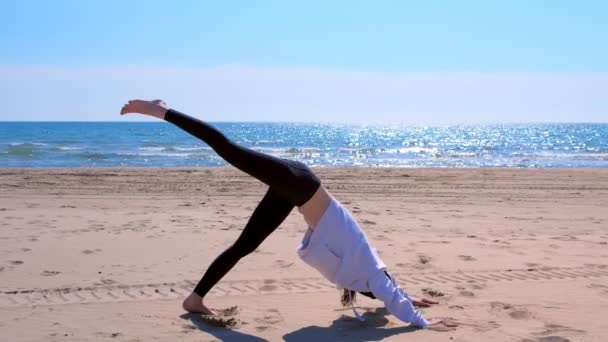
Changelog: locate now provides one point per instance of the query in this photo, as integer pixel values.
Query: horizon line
(329, 122)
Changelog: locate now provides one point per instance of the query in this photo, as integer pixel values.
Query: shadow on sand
(350, 329)
(222, 334)
(342, 329)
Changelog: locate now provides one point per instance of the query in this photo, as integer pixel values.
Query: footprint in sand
(423, 259)
(89, 251)
(520, 314)
(477, 325)
(456, 307)
(515, 312)
(551, 331)
(603, 289)
(270, 318)
(224, 318)
(106, 282)
(228, 312)
(381, 237)
(268, 285)
(222, 322)
(432, 292)
(108, 335)
(552, 339)
(472, 285)
(498, 306)
(49, 273)
(283, 263)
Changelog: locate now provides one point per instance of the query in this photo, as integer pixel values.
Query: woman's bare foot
(194, 304)
(155, 108)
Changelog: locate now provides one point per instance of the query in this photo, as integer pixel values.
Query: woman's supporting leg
(266, 217)
(292, 180)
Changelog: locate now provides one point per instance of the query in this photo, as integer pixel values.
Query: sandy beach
(108, 254)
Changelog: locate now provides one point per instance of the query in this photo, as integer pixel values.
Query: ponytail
(348, 297)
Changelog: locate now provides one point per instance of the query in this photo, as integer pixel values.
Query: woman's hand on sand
(441, 324)
(423, 302)
(155, 108)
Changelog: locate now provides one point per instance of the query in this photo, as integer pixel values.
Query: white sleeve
(396, 300)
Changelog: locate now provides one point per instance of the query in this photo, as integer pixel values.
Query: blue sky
(409, 61)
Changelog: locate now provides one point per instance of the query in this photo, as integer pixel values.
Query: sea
(160, 144)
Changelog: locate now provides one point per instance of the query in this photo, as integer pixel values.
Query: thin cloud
(246, 93)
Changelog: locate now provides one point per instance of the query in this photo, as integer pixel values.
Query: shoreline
(229, 168)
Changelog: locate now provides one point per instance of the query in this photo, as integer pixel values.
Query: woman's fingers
(124, 108)
(421, 304)
(435, 321)
(428, 301)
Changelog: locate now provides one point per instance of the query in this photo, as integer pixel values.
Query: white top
(340, 250)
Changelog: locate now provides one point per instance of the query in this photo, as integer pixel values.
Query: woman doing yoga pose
(334, 244)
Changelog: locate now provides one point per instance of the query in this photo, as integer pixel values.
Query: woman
(334, 243)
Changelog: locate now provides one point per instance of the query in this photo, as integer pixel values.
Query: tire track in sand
(160, 291)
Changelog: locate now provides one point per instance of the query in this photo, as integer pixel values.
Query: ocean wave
(293, 150)
(579, 156)
(163, 154)
(96, 155)
(456, 155)
(28, 150)
(263, 141)
(172, 148)
(151, 154)
(201, 148)
(27, 144)
(413, 150)
(152, 148)
(68, 148)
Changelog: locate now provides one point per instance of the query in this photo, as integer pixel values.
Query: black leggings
(290, 182)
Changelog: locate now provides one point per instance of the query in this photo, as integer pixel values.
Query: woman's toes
(159, 102)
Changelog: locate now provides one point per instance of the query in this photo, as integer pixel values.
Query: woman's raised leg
(291, 179)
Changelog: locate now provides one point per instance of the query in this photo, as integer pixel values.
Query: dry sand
(107, 254)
